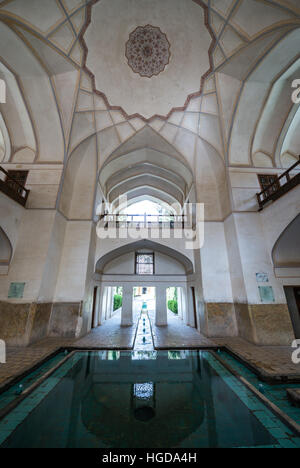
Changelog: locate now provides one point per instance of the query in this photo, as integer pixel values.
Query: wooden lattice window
(144, 263)
(19, 176)
(266, 180)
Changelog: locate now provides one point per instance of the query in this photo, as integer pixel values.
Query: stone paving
(177, 335)
(109, 336)
(271, 360)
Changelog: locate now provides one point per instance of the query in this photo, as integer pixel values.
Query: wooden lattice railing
(12, 188)
(280, 186)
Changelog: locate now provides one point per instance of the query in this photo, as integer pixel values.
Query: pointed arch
(6, 252)
(145, 244)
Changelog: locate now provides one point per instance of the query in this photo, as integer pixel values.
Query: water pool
(275, 392)
(155, 399)
(10, 395)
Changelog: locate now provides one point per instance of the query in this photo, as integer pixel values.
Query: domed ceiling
(148, 57)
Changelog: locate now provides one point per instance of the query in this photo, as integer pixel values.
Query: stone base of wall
(265, 324)
(261, 324)
(244, 322)
(24, 324)
(66, 320)
(220, 320)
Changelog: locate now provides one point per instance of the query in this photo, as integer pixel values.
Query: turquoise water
(276, 393)
(10, 395)
(162, 399)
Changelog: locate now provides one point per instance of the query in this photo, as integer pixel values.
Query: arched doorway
(146, 265)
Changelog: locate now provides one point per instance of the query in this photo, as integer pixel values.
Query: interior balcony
(10, 186)
(282, 185)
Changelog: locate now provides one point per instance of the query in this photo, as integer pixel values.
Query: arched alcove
(286, 251)
(286, 260)
(5, 252)
(147, 245)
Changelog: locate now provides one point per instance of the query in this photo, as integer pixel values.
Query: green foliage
(117, 302)
(173, 306)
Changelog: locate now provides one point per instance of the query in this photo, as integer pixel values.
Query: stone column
(109, 306)
(108, 295)
(180, 303)
(190, 317)
(112, 302)
(185, 306)
(104, 302)
(127, 312)
(101, 290)
(161, 312)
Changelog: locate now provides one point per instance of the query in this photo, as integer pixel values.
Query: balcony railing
(281, 186)
(12, 188)
(143, 221)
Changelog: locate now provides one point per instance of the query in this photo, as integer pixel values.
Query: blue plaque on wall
(266, 294)
(16, 290)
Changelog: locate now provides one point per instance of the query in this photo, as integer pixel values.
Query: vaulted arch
(146, 165)
(286, 251)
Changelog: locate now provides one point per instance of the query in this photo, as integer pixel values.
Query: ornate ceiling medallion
(148, 51)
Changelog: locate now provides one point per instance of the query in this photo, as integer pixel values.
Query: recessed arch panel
(145, 244)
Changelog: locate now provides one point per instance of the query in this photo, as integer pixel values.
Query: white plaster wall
(235, 265)
(85, 321)
(255, 257)
(251, 236)
(214, 265)
(52, 265)
(74, 261)
(30, 254)
(123, 265)
(79, 187)
(210, 182)
(82, 198)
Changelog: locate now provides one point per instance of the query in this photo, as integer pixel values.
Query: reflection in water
(109, 355)
(143, 391)
(144, 355)
(170, 400)
(144, 401)
(178, 354)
